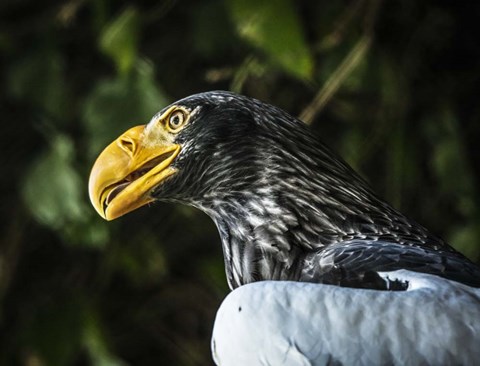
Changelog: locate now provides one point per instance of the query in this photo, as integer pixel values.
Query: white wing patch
(436, 321)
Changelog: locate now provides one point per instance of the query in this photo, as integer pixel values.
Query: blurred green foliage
(265, 23)
(119, 40)
(392, 86)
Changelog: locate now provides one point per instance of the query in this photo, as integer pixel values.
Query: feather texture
(287, 207)
(324, 271)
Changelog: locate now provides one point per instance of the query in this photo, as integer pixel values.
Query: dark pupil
(175, 121)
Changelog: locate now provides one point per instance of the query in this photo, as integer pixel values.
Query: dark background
(393, 86)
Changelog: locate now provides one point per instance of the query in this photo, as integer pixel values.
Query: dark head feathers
(280, 197)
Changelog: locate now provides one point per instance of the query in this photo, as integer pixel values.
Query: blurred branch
(219, 74)
(338, 32)
(68, 12)
(250, 66)
(344, 70)
(335, 81)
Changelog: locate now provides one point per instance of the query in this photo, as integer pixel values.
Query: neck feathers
(268, 231)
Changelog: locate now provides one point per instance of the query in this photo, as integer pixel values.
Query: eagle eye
(176, 120)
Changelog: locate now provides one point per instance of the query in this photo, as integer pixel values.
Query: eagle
(323, 271)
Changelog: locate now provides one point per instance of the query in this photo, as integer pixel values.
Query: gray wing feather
(356, 263)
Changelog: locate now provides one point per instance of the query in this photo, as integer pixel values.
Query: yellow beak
(127, 170)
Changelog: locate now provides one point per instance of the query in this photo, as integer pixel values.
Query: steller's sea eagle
(323, 271)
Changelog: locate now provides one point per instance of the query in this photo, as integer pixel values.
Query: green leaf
(95, 341)
(275, 28)
(53, 188)
(56, 196)
(117, 104)
(119, 40)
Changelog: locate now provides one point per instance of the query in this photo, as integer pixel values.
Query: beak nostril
(127, 145)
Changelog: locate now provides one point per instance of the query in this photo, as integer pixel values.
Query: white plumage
(434, 322)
